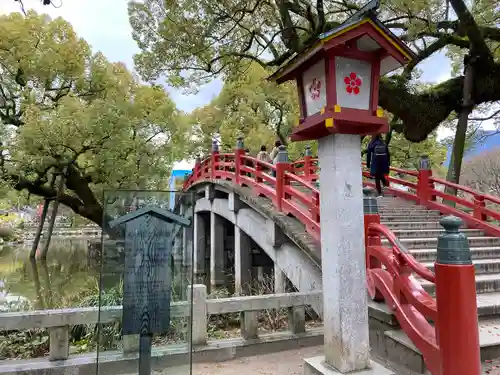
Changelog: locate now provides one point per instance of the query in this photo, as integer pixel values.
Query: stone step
(409, 217)
(395, 225)
(426, 233)
(482, 266)
(478, 252)
(404, 209)
(431, 242)
(407, 213)
(404, 352)
(398, 206)
(485, 283)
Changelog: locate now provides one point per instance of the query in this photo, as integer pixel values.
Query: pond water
(68, 278)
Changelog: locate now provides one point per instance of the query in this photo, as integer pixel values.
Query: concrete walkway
(283, 363)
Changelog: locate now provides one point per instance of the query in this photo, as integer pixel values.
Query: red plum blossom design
(315, 88)
(353, 83)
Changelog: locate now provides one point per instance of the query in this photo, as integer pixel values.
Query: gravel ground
(283, 363)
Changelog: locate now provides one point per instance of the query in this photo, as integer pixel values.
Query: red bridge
(400, 252)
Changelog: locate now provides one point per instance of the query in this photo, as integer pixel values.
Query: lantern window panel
(314, 87)
(353, 80)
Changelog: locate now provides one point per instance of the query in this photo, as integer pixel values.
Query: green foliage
(251, 106)
(406, 154)
(62, 106)
(191, 42)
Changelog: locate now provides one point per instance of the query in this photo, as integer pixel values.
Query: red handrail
(476, 209)
(396, 285)
(390, 269)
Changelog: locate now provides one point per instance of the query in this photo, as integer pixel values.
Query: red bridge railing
(391, 269)
(292, 186)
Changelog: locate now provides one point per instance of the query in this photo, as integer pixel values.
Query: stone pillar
(242, 261)
(280, 280)
(216, 250)
(200, 242)
(347, 346)
(187, 247)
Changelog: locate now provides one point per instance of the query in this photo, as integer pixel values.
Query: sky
(104, 25)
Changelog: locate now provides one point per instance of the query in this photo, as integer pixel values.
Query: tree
(406, 154)
(44, 2)
(250, 106)
(482, 172)
(69, 112)
(208, 38)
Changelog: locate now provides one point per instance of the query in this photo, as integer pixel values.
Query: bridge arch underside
(294, 254)
(221, 271)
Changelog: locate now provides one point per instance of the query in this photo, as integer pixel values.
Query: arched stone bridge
(242, 211)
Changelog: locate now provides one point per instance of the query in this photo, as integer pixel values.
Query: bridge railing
(391, 269)
(391, 272)
(390, 278)
(59, 322)
(292, 187)
(291, 193)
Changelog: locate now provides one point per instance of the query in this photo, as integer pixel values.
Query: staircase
(417, 229)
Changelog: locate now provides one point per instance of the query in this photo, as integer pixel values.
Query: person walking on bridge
(378, 161)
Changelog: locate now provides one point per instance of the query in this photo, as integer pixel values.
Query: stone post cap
(239, 143)
(308, 151)
(282, 155)
(453, 245)
(215, 146)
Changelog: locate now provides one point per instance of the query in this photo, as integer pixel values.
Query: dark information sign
(147, 275)
(147, 278)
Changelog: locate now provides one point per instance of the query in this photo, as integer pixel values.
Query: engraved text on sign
(146, 294)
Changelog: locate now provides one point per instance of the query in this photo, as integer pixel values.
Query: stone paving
(283, 363)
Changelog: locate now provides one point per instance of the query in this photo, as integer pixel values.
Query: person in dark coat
(378, 160)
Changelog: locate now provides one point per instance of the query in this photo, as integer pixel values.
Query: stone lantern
(337, 78)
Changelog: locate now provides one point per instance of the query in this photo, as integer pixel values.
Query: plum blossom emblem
(314, 89)
(353, 83)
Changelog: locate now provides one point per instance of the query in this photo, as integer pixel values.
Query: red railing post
(371, 215)
(238, 160)
(424, 185)
(196, 169)
(282, 166)
(214, 158)
(457, 323)
(315, 206)
(307, 163)
(479, 204)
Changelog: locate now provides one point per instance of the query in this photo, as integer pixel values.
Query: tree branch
(478, 44)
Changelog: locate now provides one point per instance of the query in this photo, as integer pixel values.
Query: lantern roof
(369, 34)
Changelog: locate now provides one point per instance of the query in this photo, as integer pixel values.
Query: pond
(68, 278)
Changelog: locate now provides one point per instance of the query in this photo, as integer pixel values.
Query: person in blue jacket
(378, 160)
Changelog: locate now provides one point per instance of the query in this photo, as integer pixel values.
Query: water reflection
(67, 276)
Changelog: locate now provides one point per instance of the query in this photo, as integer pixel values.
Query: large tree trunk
(82, 199)
(457, 153)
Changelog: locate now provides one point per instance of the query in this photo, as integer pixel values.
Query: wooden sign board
(147, 275)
